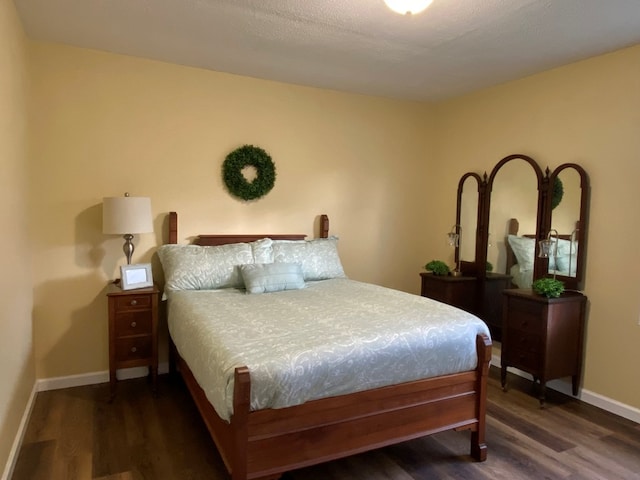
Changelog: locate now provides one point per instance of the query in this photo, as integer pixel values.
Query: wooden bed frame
(266, 443)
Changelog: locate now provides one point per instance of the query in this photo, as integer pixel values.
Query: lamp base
(456, 273)
(128, 248)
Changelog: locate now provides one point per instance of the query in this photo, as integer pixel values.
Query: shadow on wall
(70, 318)
(89, 250)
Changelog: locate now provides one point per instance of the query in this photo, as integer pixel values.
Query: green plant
(437, 267)
(489, 266)
(549, 287)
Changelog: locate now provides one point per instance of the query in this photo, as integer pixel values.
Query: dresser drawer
(525, 321)
(523, 359)
(527, 342)
(132, 302)
(133, 348)
(133, 323)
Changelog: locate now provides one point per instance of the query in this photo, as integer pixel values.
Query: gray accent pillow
(271, 277)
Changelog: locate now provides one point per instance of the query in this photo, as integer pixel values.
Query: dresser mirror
(467, 215)
(567, 217)
(513, 199)
(501, 219)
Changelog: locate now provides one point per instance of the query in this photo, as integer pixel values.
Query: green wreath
(557, 193)
(248, 156)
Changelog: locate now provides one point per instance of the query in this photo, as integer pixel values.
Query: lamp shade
(126, 215)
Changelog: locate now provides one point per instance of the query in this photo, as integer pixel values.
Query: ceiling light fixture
(408, 7)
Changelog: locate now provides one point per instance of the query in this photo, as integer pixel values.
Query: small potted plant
(437, 267)
(549, 287)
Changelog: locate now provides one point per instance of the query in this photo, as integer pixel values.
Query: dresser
(133, 331)
(465, 293)
(457, 291)
(543, 336)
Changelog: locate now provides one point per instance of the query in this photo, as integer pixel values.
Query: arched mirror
(513, 219)
(467, 217)
(566, 223)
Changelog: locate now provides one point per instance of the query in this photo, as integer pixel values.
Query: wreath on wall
(556, 193)
(237, 183)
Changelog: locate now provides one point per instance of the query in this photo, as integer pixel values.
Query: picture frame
(136, 276)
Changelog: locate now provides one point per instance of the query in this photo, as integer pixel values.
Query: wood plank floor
(76, 434)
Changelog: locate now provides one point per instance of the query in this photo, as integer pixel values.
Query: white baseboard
(17, 442)
(592, 398)
(93, 378)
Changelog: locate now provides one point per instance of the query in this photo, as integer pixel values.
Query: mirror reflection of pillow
(524, 250)
(567, 257)
(567, 264)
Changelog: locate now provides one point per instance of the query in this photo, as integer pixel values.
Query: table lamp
(126, 216)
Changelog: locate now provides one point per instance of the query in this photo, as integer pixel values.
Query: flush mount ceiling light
(408, 7)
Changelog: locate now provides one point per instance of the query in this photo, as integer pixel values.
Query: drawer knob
(134, 302)
(134, 324)
(134, 349)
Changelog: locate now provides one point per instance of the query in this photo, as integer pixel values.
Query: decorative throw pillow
(271, 277)
(319, 257)
(193, 267)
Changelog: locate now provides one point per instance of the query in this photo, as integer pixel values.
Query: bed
(255, 441)
(521, 255)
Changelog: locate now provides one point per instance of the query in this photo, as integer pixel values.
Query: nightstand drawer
(132, 302)
(134, 323)
(526, 342)
(524, 321)
(133, 348)
(523, 359)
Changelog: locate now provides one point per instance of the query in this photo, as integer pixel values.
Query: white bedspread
(331, 338)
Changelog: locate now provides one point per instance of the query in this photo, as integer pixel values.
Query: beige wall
(588, 113)
(106, 124)
(17, 373)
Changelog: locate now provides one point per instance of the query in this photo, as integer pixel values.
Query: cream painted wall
(106, 124)
(17, 372)
(587, 113)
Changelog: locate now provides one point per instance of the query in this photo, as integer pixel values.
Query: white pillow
(524, 250)
(271, 277)
(319, 257)
(262, 250)
(193, 267)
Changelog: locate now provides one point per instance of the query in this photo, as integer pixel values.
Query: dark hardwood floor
(76, 434)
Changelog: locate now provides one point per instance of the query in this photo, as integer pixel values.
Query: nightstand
(133, 331)
(543, 336)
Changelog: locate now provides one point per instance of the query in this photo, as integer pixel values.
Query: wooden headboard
(211, 240)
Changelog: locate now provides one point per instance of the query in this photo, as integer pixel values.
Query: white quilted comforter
(331, 338)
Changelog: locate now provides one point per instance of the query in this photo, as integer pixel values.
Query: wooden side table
(457, 291)
(133, 331)
(543, 336)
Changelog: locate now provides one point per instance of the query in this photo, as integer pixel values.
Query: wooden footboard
(267, 443)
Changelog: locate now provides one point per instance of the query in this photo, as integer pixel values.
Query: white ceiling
(454, 47)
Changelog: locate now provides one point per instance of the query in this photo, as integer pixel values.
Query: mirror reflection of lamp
(549, 248)
(453, 238)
